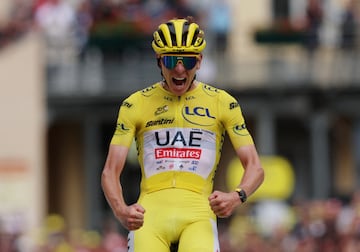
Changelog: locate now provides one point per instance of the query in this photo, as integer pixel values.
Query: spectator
(56, 21)
(157, 11)
(349, 26)
(314, 18)
(348, 43)
(182, 9)
(311, 41)
(135, 14)
(106, 11)
(84, 21)
(219, 22)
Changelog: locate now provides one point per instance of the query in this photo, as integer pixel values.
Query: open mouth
(179, 81)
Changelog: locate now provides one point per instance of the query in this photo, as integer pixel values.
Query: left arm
(223, 204)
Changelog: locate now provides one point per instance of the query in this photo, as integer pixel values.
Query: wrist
(242, 194)
(119, 207)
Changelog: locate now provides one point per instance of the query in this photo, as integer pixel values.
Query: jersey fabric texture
(179, 138)
(179, 141)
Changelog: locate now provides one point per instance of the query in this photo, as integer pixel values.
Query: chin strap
(192, 83)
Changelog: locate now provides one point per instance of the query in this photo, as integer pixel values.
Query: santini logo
(161, 121)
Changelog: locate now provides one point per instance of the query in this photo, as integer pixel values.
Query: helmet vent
(172, 33)
(185, 33)
(162, 37)
(196, 33)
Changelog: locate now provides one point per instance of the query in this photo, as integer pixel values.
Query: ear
(158, 62)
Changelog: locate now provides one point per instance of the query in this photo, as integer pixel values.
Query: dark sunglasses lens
(189, 62)
(170, 62)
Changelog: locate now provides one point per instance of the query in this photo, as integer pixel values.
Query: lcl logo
(198, 111)
(198, 115)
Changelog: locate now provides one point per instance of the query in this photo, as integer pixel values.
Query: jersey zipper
(178, 125)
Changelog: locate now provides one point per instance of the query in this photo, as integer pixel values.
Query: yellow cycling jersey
(179, 138)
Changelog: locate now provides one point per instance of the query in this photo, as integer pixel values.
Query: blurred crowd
(329, 225)
(63, 21)
(74, 29)
(56, 236)
(78, 31)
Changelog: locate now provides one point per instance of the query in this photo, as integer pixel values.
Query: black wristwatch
(242, 194)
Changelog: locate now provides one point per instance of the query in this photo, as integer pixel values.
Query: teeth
(179, 79)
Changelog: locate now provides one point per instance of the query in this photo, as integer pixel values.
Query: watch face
(242, 195)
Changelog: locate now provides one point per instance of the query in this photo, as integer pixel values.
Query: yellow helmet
(178, 36)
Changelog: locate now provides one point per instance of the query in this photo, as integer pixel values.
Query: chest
(188, 112)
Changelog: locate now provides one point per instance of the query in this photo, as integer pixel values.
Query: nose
(179, 67)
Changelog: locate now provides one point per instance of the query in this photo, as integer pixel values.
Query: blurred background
(293, 65)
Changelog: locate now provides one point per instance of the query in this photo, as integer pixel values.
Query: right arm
(131, 217)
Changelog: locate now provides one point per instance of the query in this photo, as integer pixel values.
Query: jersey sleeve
(233, 121)
(126, 122)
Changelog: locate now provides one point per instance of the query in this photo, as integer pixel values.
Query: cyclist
(178, 125)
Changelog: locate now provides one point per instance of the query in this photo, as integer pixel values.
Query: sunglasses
(171, 60)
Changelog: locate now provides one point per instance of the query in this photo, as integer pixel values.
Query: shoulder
(215, 92)
(143, 93)
(150, 90)
(209, 90)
